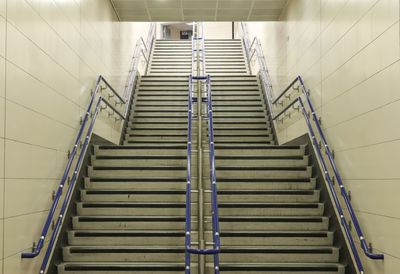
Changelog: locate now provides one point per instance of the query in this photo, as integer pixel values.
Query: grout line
(369, 145)
(352, 25)
(360, 83)
(28, 213)
(36, 145)
(5, 134)
(376, 214)
(358, 52)
(44, 84)
(361, 114)
(42, 114)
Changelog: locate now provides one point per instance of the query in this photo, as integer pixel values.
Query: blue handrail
(267, 88)
(64, 178)
(98, 88)
(214, 201)
(343, 191)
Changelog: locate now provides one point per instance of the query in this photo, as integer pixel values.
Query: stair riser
(260, 162)
(139, 185)
(116, 225)
(136, 173)
(140, 162)
(276, 241)
(135, 197)
(141, 152)
(138, 211)
(127, 240)
(263, 186)
(127, 270)
(281, 226)
(124, 257)
(270, 211)
(258, 152)
(267, 198)
(278, 258)
(273, 174)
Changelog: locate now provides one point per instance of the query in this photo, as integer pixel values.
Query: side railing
(254, 48)
(92, 111)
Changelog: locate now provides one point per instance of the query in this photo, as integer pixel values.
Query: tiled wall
(50, 54)
(348, 51)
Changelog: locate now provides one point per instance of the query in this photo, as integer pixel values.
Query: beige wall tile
(375, 92)
(21, 231)
(359, 132)
(1, 208)
(2, 36)
(26, 196)
(1, 159)
(47, 132)
(26, 161)
(29, 92)
(14, 264)
(2, 116)
(370, 162)
(384, 202)
(2, 77)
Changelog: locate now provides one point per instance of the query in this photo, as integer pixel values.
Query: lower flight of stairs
(131, 213)
(271, 215)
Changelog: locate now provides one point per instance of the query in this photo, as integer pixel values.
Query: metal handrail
(138, 53)
(267, 88)
(214, 201)
(65, 178)
(336, 173)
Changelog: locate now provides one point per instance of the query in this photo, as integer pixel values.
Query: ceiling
(198, 10)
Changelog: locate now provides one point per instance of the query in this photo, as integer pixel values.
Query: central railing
(254, 49)
(92, 112)
(203, 82)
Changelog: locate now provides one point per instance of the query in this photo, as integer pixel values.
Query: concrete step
(123, 268)
(127, 237)
(268, 196)
(124, 161)
(148, 223)
(269, 209)
(270, 223)
(278, 254)
(260, 161)
(270, 150)
(273, 238)
(132, 209)
(137, 254)
(138, 183)
(150, 195)
(178, 150)
(160, 131)
(282, 268)
(251, 172)
(137, 171)
(264, 184)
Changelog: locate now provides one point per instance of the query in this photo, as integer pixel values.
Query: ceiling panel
(199, 10)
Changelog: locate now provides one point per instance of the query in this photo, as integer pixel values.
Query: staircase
(131, 214)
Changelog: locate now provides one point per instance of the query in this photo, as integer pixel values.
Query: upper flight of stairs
(225, 56)
(131, 213)
(171, 57)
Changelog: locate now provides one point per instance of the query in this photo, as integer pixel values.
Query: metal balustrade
(254, 49)
(91, 113)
